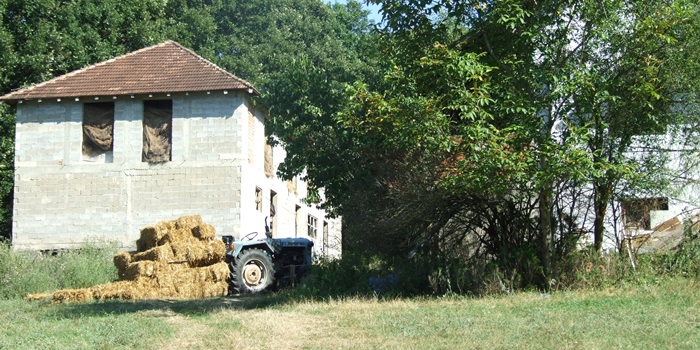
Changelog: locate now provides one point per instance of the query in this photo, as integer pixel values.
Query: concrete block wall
(62, 200)
(62, 209)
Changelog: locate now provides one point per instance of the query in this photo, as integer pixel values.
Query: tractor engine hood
(293, 242)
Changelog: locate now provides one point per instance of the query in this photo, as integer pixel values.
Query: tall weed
(25, 272)
(686, 260)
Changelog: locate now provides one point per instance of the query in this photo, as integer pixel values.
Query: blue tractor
(258, 263)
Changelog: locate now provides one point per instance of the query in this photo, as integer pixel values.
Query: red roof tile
(164, 68)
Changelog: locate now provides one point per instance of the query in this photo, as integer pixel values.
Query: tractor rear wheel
(252, 271)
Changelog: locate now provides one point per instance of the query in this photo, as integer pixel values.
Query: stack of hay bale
(177, 259)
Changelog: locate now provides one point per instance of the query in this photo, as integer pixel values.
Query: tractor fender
(235, 248)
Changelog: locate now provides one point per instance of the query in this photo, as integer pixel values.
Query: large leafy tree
(524, 110)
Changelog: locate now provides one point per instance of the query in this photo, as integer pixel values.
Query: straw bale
(199, 254)
(121, 262)
(177, 235)
(160, 253)
(183, 283)
(152, 236)
(142, 268)
(188, 222)
(147, 268)
(72, 295)
(176, 259)
(141, 288)
(149, 239)
(204, 232)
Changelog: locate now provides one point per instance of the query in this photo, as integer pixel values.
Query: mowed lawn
(658, 315)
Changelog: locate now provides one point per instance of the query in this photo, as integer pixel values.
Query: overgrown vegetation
(584, 269)
(25, 272)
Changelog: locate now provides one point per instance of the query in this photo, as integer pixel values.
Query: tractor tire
(252, 271)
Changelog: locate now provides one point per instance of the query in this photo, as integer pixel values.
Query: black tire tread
(237, 285)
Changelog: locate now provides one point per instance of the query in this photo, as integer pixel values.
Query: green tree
(555, 96)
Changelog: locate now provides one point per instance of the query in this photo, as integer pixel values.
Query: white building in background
(149, 136)
(658, 222)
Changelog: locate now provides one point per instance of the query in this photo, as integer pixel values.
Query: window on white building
(258, 199)
(297, 220)
(637, 212)
(311, 224)
(325, 237)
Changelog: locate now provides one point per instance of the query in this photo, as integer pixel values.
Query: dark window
(325, 237)
(637, 211)
(311, 224)
(297, 220)
(157, 131)
(268, 160)
(258, 199)
(98, 128)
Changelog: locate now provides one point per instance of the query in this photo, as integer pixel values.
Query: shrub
(686, 259)
(348, 276)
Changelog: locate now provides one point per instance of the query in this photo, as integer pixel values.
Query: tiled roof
(164, 68)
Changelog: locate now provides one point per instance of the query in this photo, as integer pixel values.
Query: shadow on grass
(184, 307)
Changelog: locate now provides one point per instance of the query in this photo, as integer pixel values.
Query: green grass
(640, 316)
(25, 272)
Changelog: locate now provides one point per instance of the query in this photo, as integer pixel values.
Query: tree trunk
(545, 212)
(601, 199)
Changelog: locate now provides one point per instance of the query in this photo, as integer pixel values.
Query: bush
(686, 260)
(26, 272)
(348, 276)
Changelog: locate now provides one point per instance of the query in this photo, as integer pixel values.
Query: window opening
(638, 211)
(297, 220)
(325, 237)
(312, 226)
(273, 207)
(258, 199)
(157, 131)
(269, 172)
(98, 128)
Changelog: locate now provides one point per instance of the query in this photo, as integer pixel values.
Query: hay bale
(160, 253)
(121, 262)
(198, 254)
(180, 237)
(178, 283)
(151, 273)
(147, 268)
(152, 236)
(72, 295)
(149, 239)
(204, 232)
(188, 222)
(142, 268)
(139, 289)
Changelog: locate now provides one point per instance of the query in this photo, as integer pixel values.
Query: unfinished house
(149, 136)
